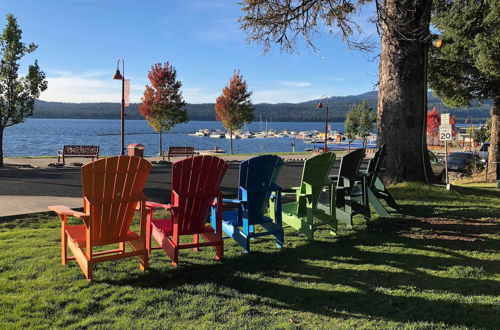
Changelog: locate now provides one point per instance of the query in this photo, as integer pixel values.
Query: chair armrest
(153, 205)
(63, 211)
(233, 201)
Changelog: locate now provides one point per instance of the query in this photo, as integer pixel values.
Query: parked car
(483, 152)
(466, 162)
(437, 166)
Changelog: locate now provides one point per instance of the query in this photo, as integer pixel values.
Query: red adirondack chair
(112, 191)
(195, 190)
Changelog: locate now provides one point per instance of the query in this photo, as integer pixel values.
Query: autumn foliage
(233, 108)
(433, 122)
(162, 101)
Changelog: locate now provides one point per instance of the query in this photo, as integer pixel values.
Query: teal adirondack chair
(375, 188)
(303, 214)
(257, 182)
(350, 197)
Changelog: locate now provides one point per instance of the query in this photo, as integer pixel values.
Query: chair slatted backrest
(111, 185)
(375, 164)
(349, 166)
(258, 176)
(315, 173)
(196, 181)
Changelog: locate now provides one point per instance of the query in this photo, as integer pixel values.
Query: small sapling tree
(234, 107)
(366, 121)
(351, 125)
(17, 94)
(162, 101)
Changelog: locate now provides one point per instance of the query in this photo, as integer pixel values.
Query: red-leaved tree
(234, 107)
(162, 101)
(433, 122)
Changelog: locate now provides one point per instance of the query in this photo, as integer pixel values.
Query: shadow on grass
(477, 191)
(452, 212)
(388, 285)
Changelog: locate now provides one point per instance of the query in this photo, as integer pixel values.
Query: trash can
(135, 149)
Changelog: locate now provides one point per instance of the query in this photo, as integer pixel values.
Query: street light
(436, 43)
(320, 106)
(119, 76)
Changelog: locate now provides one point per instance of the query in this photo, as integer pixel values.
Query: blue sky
(81, 40)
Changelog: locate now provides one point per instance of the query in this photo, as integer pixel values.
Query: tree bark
(494, 149)
(402, 95)
(161, 142)
(1, 145)
(231, 139)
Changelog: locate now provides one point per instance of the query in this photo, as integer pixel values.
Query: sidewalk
(43, 162)
(17, 205)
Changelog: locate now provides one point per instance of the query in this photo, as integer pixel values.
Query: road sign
(445, 119)
(445, 132)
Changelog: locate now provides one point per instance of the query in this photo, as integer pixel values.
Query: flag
(127, 92)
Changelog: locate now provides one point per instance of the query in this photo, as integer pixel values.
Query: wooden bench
(77, 151)
(178, 151)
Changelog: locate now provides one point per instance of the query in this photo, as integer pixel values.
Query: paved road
(66, 182)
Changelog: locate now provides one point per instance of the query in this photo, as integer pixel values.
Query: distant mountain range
(305, 111)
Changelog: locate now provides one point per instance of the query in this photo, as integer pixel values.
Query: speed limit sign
(445, 133)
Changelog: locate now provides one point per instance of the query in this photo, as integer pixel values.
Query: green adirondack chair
(375, 188)
(350, 193)
(303, 214)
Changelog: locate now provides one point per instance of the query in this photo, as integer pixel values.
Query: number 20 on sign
(445, 132)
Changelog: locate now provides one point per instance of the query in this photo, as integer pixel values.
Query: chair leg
(280, 238)
(122, 247)
(175, 257)
(144, 261)
(196, 240)
(64, 247)
(89, 274)
(219, 251)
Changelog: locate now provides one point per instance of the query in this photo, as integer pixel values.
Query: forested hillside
(306, 111)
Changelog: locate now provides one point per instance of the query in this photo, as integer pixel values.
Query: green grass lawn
(436, 266)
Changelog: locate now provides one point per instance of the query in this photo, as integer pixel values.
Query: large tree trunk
(494, 150)
(402, 108)
(1, 146)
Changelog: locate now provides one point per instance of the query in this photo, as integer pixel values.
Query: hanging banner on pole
(127, 92)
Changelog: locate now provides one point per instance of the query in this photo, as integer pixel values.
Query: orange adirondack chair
(195, 190)
(112, 191)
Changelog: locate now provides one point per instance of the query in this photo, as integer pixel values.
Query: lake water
(43, 137)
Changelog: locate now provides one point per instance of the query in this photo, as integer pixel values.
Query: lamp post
(436, 43)
(119, 76)
(320, 106)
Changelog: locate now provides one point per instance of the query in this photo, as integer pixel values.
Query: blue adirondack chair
(258, 177)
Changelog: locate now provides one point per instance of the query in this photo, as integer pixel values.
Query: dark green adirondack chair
(375, 188)
(350, 197)
(303, 214)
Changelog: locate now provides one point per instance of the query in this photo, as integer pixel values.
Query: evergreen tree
(351, 125)
(467, 67)
(162, 101)
(234, 108)
(404, 27)
(17, 94)
(366, 120)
